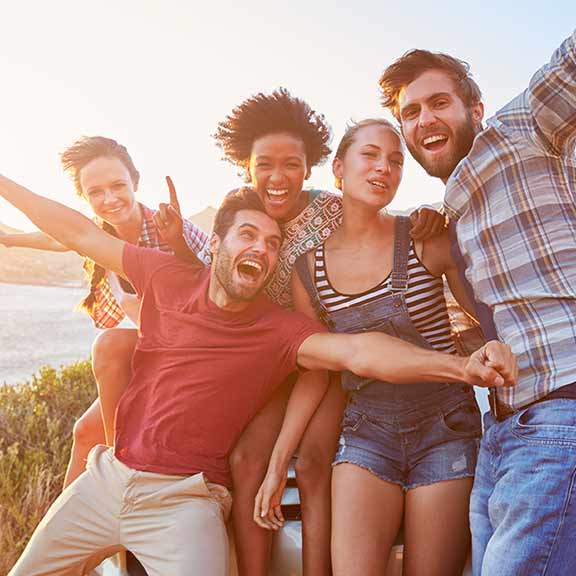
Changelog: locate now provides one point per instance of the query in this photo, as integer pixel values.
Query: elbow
(357, 360)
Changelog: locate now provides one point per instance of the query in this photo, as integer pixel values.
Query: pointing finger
(173, 196)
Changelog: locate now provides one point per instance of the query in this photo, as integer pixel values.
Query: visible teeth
(379, 184)
(432, 139)
(273, 192)
(252, 264)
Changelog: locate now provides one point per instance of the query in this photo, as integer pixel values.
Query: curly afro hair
(277, 112)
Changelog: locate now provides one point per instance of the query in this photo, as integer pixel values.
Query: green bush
(36, 420)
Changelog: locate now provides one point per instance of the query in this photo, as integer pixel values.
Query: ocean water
(38, 326)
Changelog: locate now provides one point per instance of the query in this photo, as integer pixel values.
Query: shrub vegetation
(36, 420)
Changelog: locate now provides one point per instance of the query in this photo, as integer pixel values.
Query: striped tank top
(424, 299)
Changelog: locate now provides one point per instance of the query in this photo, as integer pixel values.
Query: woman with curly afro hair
(276, 139)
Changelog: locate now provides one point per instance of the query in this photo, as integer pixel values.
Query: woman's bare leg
(248, 464)
(111, 358)
(111, 363)
(366, 516)
(88, 431)
(436, 530)
(314, 474)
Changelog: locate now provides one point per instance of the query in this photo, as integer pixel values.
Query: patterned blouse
(309, 229)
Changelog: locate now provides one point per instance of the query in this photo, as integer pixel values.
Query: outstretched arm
(383, 357)
(65, 225)
(36, 240)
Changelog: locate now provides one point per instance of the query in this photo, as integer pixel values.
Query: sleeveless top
(387, 314)
(424, 298)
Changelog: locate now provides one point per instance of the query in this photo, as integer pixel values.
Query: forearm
(306, 396)
(61, 223)
(379, 356)
(375, 355)
(36, 240)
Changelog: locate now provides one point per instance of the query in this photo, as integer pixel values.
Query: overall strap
(399, 276)
(301, 266)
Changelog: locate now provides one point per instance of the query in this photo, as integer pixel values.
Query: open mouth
(277, 194)
(250, 270)
(434, 142)
(379, 184)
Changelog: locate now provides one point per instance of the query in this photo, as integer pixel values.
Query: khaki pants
(175, 525)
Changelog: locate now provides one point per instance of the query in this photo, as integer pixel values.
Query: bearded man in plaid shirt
(510, 190)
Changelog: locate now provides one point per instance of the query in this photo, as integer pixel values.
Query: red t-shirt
(200, 373)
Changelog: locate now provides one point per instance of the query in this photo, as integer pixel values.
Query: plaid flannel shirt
(513, 200)
(107, 312)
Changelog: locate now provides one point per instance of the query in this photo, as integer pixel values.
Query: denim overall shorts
(406, 434)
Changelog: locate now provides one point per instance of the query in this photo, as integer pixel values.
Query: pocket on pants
(548, 422)
(462, 421)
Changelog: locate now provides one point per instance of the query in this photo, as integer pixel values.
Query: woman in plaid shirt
(105, 176)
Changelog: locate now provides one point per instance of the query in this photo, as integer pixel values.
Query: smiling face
(371, 168)
(438, 127)
(245, 258)
(108, 187)
(278, 168)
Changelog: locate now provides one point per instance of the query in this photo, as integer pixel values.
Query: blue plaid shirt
(513, 200)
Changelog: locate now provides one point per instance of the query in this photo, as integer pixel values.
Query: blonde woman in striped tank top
(406, 451)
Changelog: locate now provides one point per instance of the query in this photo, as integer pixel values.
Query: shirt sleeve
(552, 98)
(140, 263)
(197, 241)
(297, 328)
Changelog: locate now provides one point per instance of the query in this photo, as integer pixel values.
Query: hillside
(27, 266)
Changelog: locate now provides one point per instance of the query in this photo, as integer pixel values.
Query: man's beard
(224, 269)
(460, 142)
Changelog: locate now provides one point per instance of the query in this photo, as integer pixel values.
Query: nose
(383, 165)
(260, 245)
(109, 196)
(277, 175)
(426, 117)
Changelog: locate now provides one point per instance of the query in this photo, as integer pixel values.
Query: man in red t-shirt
(211, 349)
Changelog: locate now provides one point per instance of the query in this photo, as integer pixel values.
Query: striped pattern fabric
(107, 313)
(424, 299)
(513, 200)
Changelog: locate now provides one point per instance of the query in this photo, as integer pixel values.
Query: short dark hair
(239, 199)
(88, 148)
(415, 62)
(278, 112)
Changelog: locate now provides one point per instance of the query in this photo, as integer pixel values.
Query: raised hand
(168, 219)
(492, 365)
(267, 506)
(426, 223)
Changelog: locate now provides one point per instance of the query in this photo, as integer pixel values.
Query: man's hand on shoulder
(426, 222)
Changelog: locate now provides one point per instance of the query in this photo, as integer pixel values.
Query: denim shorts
(428, 440)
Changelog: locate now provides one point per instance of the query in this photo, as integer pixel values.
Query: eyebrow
(431, 97)
(266, 157)
(253, 227)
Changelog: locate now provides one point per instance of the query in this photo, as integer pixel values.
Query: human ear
(478, 112)
(214, 243)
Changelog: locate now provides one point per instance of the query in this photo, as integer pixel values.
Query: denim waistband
(393, 401)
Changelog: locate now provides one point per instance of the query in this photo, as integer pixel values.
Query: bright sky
(158, 75)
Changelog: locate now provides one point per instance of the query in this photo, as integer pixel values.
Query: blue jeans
(523, 504)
